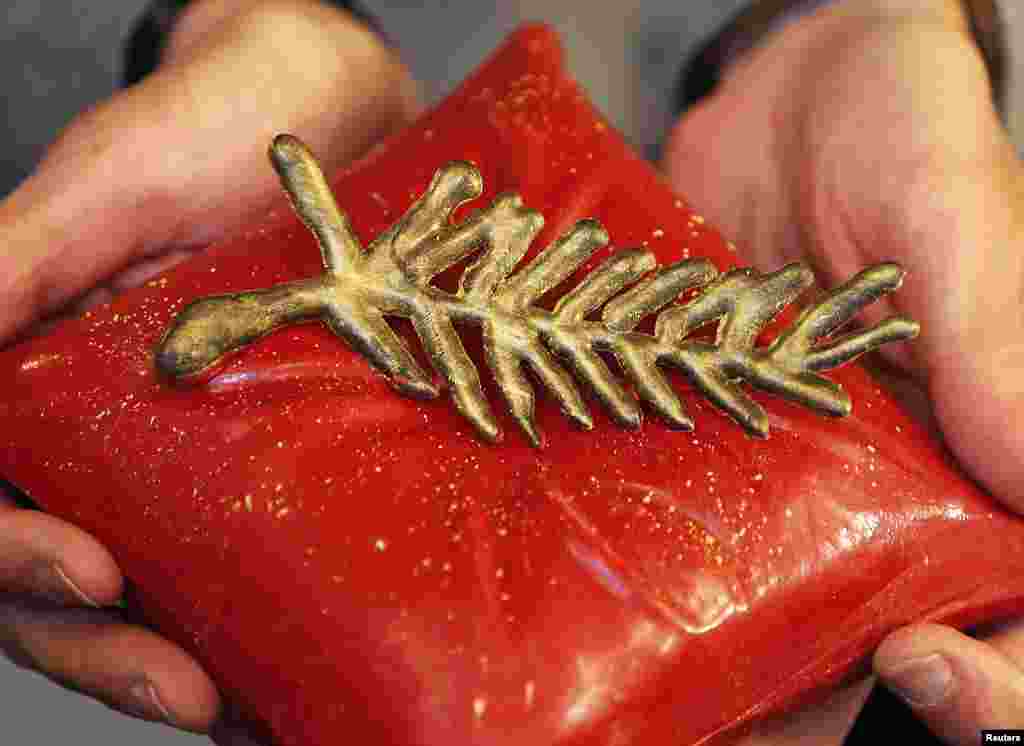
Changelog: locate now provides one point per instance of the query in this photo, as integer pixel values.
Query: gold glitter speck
(479, 706)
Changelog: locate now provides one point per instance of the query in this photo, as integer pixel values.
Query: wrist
(765, 19)
(950, 12)
(980, 20)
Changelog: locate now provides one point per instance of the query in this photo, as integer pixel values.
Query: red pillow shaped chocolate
(509, 451)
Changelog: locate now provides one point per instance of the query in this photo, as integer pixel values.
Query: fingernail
(67, 585)
(147, 702)
(922, 682)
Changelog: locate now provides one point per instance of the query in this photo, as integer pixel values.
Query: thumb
(955, 684)
(179, 160)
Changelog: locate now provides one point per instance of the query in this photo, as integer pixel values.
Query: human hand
(131, 187)
(863, 133)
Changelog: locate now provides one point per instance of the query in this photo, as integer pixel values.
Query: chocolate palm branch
(561, 347)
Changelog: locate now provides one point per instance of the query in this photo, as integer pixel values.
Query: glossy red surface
(356, 567)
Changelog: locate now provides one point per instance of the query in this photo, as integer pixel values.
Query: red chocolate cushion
(352, 566)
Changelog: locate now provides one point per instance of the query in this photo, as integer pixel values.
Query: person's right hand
(131, 187)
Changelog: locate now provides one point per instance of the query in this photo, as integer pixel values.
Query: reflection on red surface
(355, 567)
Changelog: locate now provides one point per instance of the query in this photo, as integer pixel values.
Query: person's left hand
(865, 133)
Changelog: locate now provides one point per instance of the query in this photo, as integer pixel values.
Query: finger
(43, 556)
(138, 273)
(824, 724)
(179, 159)
(956, 685)
(126, 667)
(134, 275)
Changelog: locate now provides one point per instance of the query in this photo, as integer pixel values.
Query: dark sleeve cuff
(145, 46)
(763, 17)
